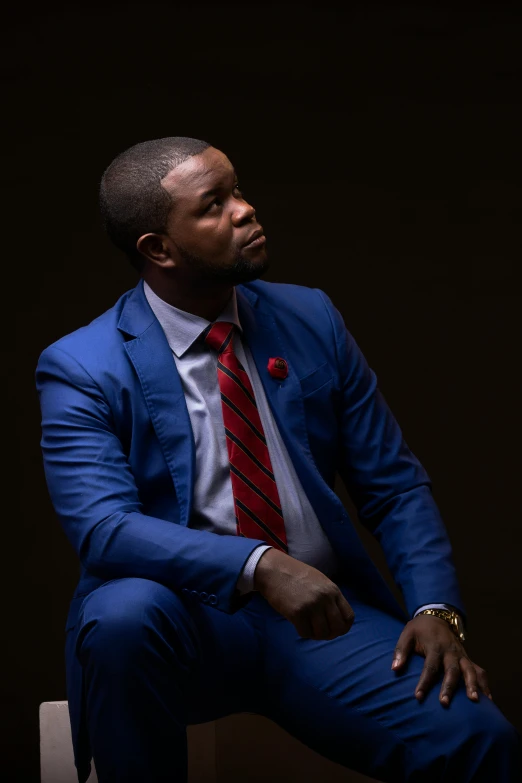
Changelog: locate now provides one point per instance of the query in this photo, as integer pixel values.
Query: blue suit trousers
(155, 661)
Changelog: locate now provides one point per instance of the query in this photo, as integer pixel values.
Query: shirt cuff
(245, 583)
(432, 606)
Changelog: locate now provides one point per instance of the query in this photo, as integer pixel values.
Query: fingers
(403, 648)
(482, 680)
(328, 620)
(320, 624)
(333, 619)
(429, 673)
(455, 665)
(303, 625)
(345, 610)
(452, 672)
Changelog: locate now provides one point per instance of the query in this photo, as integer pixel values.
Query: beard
(242, 270)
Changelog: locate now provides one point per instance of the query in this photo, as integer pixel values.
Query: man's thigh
(141, 623)
(342, 699)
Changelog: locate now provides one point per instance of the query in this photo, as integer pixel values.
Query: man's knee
(469, 741)
(119, 620)
(488, 748)
(501, 743)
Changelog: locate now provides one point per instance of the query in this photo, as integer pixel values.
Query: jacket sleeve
(96, 499)
(387, 484)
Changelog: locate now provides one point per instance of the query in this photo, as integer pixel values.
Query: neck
(205, 301)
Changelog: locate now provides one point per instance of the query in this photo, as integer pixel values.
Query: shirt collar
(182, 329)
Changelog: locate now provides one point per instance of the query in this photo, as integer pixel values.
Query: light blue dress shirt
(213, 506)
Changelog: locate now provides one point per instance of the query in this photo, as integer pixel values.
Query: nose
(244, 212)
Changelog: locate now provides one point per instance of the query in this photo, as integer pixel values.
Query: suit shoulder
(98, 336)
(287, 296)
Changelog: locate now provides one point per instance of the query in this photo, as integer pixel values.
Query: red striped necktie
(256, 499)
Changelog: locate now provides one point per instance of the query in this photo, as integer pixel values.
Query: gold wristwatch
(454, 620)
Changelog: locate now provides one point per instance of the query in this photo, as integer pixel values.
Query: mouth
(254, 235)
(257, 242)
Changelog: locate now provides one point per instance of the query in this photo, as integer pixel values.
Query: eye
(217, 201)
(239, 192)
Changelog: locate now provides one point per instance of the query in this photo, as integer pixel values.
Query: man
(191, 438)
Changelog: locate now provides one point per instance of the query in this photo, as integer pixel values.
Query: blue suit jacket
(119, 459)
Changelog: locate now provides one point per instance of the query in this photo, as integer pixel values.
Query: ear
(156, 248)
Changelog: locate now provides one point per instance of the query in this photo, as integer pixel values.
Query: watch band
(453, 619)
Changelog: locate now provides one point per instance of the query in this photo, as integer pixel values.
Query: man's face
(207, 231)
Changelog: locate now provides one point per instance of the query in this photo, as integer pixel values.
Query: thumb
(403, 649)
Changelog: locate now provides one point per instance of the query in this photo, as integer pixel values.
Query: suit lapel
(283, 395)
(152, 358)
(262, 337)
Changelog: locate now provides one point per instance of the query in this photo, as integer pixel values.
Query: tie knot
(219, 335)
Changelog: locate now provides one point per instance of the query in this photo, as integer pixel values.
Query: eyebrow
(214, 190)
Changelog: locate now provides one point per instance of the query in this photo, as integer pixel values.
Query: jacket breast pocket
(315, 379)
(321, 423)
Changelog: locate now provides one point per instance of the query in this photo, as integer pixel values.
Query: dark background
(381, 146)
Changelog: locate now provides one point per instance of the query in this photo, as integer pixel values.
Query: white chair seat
(56, 751)
(235, 748)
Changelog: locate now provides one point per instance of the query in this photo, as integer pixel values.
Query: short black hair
(132, 199)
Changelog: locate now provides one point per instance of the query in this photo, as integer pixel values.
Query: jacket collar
(137, 314)
(181, 328)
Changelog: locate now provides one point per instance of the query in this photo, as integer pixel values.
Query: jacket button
(203, 596)
(212, 599)
(194, 593)
(184, 589)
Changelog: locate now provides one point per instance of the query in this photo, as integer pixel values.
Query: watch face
(459, 625)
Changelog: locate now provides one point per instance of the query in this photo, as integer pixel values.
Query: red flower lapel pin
(277, 367)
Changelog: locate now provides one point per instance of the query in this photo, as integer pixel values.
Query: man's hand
(313, 603)
(433, 638)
